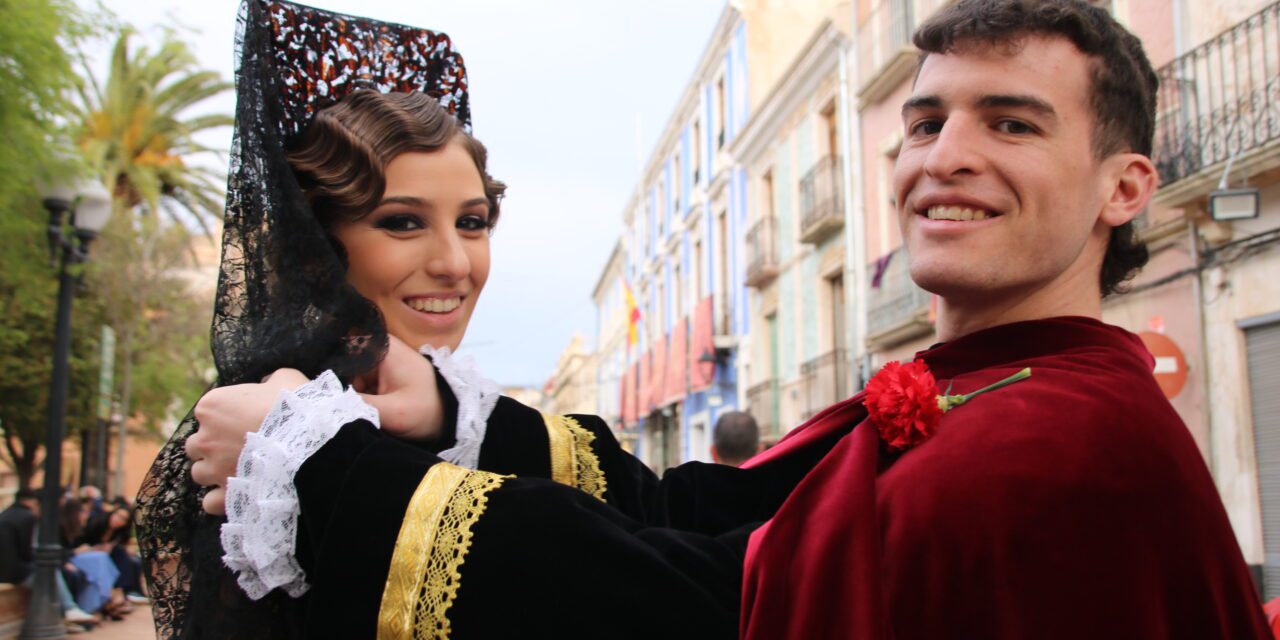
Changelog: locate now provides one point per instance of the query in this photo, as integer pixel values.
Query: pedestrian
(735, 438)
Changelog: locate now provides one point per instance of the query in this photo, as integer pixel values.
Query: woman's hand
(403, 390)
(226, 414)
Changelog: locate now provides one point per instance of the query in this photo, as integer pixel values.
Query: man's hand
(403, 390)
(226, 414)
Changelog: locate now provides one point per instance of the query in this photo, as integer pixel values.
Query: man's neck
(962, 315)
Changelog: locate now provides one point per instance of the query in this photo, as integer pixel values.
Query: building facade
(767, 209)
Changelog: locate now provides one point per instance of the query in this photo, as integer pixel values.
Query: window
(697, 270)
(766, 195)
(722, 284)
(696, 158)
(720, 113)
(832, 130)
(677, 304)
(675, 184)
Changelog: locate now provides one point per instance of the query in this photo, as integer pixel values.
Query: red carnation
(902, 401)
(904, 404)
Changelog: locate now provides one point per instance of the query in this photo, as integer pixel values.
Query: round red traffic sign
(1171, 365)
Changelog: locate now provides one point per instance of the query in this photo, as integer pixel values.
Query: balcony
(886, 56)
(821, 201)
(1219, 101)
(897, 310)
(762, 253)
(762, 404)
(825, 380)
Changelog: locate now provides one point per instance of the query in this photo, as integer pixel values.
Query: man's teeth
(962, 214)
(434, 305)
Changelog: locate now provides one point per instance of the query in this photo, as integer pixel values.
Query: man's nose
(956, 150)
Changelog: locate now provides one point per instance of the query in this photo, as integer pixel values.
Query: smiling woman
(404, 194)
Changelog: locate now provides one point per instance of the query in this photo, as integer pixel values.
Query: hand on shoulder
(225, 415)
(403, 390)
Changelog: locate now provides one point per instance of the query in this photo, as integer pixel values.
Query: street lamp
(89, 204)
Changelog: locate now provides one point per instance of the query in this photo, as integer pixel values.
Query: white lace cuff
(262, 502)
(477, 396)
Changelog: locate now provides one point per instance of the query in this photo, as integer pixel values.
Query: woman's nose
(447, 259)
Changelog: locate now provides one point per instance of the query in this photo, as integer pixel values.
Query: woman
(338, 233)
(90, 575)
(111, 533)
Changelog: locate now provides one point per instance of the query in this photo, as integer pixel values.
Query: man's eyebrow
(1030, 103)
(921, 102)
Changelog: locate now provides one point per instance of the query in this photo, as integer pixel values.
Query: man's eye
(473, 223)
(1014, 127)
(400, 222)
(926, 128)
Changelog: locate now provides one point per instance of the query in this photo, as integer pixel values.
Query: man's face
(998, 188)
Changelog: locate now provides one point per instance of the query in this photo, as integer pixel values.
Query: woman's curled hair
(340, 159)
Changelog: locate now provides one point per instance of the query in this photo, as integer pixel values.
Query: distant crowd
(101, 576)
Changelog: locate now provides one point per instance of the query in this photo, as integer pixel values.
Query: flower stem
(1021, 375)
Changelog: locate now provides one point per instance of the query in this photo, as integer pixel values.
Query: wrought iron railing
(895, 305)
(825, 380)
(1220, 99)
(821, 200)
(762, 404)
(762, 252)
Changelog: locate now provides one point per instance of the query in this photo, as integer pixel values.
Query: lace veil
(282, 297)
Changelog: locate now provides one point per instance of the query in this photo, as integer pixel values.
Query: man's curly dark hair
(1123, 87)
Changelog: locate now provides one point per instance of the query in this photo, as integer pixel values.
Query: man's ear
(1133, 180)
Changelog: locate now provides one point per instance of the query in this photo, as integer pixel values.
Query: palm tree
(133, 129)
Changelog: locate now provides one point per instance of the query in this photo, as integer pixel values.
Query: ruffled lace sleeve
(477, 396)
(262, 503)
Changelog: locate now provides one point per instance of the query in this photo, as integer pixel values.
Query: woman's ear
(1132, 180)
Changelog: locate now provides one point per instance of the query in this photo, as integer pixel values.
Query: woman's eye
(473, 223)
(1015, 127)
(925, 128)
(400, 222)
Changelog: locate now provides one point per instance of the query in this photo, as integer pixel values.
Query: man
(735, 438)
(1070, 504)
(17, 528)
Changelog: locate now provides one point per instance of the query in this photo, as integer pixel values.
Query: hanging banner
(657, 373)
(702, 366)
(677, 379)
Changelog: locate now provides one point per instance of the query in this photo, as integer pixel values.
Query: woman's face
(119, 518)
(422, 255)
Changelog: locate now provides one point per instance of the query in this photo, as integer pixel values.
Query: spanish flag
(633, 316)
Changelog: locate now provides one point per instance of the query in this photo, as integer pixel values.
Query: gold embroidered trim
(573, 462)
(433, 542)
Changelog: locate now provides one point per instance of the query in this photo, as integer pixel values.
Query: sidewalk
(136, 626)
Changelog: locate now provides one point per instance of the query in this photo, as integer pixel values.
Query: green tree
(135, 130)
(37, 74)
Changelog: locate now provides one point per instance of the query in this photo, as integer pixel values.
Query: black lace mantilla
(282, 298)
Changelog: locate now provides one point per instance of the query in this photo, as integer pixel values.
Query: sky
(569, 96)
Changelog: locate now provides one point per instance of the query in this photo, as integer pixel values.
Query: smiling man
(1074, 503)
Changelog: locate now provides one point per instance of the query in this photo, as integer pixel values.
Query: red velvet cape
(1073, 504)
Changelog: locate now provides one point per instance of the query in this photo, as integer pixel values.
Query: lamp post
(89, 204)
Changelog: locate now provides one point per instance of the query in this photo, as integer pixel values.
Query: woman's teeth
(962, 214)
(434, 305)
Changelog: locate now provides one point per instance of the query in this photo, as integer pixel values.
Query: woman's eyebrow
(406, 200)
(474, 202)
